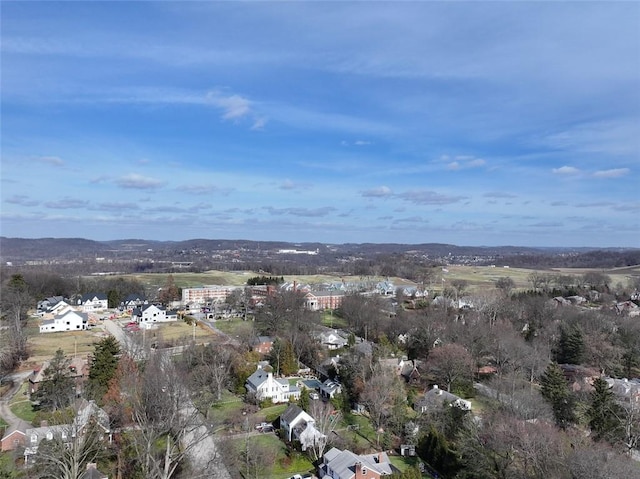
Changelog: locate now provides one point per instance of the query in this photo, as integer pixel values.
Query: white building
(93, 302)
(204, 294)
(150, 313)
(262, 385)
(70, 321)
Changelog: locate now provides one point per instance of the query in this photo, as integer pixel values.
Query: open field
(153, 281)
(44, 346)
(478, 277)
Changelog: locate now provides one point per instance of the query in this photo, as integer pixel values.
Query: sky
(468, 123)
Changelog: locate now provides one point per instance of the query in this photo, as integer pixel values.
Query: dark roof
(90, 296)
(292, 412)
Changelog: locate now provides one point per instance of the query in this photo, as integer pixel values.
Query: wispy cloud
(565, 170)
(305, 212)
(136, 181)
(51, 160)
(499, 194)
(463, 162)
(67, 204)
(115, 206)
(379, 192)
(428, 197)
(22, 200)
(612, 173)
(289, 184)
(203, 189)
(234, 106)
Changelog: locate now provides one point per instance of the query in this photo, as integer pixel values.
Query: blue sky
(479, 123)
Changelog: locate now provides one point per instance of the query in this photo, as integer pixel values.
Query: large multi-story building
(205, 294)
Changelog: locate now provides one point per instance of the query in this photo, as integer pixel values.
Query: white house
(330, 388)
(93, 302)
(70, 321)
(332, 339)
(262, 385)
(294, 417)
(150, 313)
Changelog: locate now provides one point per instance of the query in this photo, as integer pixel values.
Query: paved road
(5, 411)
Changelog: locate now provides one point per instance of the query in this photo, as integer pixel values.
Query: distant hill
(242, 252)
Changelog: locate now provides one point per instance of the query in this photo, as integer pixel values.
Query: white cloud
(379, 192)
(462, 162)
(612, 173)
(234, 106)
(135, 181)
(566, 170)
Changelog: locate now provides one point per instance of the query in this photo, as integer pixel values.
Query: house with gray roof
(337, 464)
(435, 398)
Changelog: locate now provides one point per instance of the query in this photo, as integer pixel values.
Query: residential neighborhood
(319, 382)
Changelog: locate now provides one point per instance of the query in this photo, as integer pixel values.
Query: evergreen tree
(556, 391)
(282, 358)
(439, 453)
(570, 349)
(603, 412)
(57, 389)
(305, 400)
(104, 364)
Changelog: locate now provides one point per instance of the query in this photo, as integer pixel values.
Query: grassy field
(478, 277)
(153, 281)
(285, 464)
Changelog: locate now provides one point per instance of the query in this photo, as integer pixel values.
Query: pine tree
(57, 389)
(570, 348)
(603, 412)
(104, 364)
(556, 391)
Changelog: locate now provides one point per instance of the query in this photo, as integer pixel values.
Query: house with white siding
(70, 321)
(262, 385)
(150, 313)
(93, 302)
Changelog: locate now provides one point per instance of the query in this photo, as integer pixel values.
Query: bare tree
(168, 426)
(326, 421)
(379, 394)
(209, 368)
(66, 454)
(450, 363)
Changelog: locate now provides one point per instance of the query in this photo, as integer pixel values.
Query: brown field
(44, 346)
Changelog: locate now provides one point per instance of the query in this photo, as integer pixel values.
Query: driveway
(5, 411)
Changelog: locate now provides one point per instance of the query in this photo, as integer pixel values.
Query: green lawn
(235, 327)
(24, 410)
(284, 464)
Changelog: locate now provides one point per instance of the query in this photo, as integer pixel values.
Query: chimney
(44, 423)
(358, 468)
(91, 466)
(380, 458)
